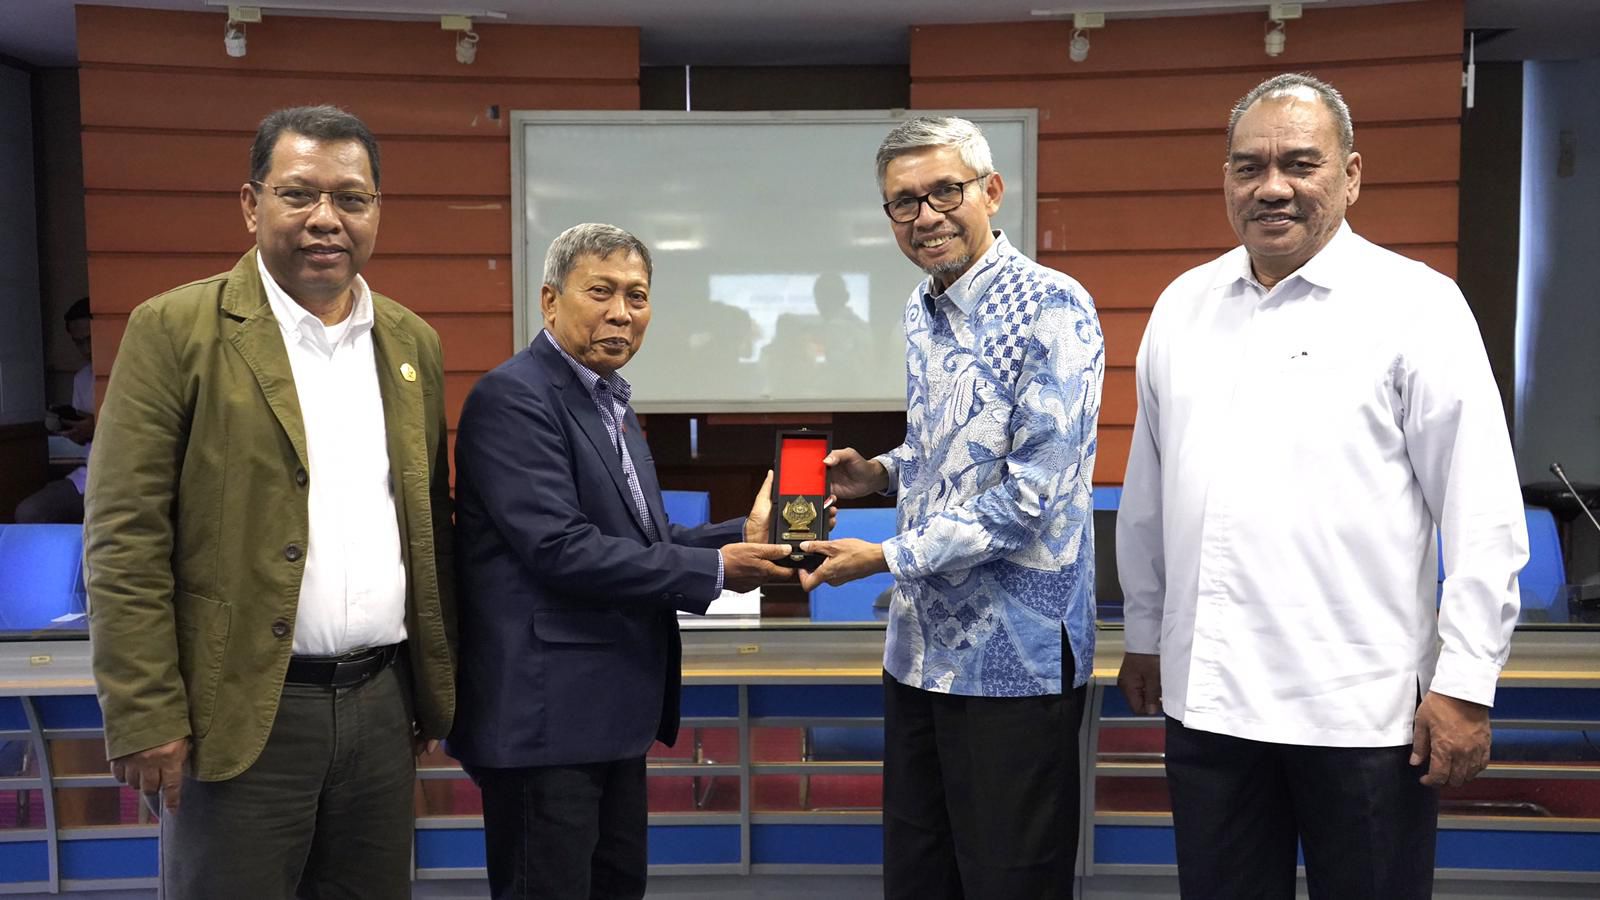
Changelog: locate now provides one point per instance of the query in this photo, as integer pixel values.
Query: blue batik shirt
(995, 552)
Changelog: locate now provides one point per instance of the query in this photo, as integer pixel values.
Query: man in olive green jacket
(213, 567)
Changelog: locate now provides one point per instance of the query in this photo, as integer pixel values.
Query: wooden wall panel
(168, 117)
(1390, 154)
(428, 284)
(1392, 92)
(199, 161)
(1129, 180)
(1035, 49)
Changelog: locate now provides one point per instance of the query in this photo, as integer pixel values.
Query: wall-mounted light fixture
(466, 38)
(1078, 48)
(1277, 34)
(233, 38)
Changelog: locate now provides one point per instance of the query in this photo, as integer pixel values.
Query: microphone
(1555, 469)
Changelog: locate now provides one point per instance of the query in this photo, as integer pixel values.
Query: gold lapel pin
(408, 372)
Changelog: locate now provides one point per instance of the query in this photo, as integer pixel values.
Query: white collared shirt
(352, 594)
(1293, 452)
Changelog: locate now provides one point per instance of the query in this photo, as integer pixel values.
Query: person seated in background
(61, 500)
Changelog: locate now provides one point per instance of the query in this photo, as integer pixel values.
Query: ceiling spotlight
(233, 39)
(466, 39)
(1078, 50)
(466, 47)
(1277, 35)
(1275, 38)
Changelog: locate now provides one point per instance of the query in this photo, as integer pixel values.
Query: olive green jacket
(196, 522)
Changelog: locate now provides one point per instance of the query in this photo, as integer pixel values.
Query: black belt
(345, 671)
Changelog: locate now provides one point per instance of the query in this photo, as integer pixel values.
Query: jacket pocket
(577, 626)
(203, 626)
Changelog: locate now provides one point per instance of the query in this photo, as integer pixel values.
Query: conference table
(778, 769)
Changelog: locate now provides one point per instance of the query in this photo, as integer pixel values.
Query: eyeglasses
(303, 199)
(942, 199)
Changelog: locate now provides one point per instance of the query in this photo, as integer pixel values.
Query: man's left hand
(81, 431)
(847, 560)
(1452, 736)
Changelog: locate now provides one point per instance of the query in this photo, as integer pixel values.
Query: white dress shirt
(1294, 450)
(352, 594)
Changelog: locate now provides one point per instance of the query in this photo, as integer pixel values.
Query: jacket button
(666, 595)
(280, 628)
(300, 477)
(292, 553)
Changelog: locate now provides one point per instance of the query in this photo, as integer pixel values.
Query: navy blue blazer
(568, 612)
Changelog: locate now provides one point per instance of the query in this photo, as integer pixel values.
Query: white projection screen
(778, 286)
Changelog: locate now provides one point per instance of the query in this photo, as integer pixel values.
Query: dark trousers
(325, 812)
(980, 794)
(565, 832)
(1365, 822)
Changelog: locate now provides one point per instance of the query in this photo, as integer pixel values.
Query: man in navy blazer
(570, 581)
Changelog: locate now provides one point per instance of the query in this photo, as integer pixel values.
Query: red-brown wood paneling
(1132, 141)
(168, 118)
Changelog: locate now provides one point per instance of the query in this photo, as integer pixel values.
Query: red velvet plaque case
(799, 490)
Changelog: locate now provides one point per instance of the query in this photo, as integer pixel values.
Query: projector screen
(778, 285)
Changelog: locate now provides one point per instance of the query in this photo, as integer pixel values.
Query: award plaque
(799, 490)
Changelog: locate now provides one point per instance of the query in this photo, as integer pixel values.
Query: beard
(949, 267)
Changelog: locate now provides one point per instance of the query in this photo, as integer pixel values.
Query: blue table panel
(12, 716)
(816, 700)
(24, 861)
(110, 858)
(1145, 845)
(450, 848)
(68, 711)
(822, 845)
(676, 845)
(1519, 850)
(704, 701)
(1580, 704)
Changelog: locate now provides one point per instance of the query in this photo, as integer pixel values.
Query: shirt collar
(295, 319)
(973, 283)
(619, 386)
(1323, 270)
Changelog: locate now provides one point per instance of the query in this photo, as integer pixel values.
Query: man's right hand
(746, 567)
(157, 770)
(851, 475)
(1140, 680)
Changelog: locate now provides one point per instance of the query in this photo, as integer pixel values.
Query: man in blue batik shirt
(991, 630)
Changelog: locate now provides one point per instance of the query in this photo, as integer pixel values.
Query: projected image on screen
(778, 284)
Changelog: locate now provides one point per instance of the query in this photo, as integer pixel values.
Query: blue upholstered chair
(853, 602)
(41, 576)
(687, 508)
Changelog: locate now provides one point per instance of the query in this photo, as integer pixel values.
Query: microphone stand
(1588, 590)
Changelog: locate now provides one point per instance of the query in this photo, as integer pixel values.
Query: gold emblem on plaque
(799, 513)
(408, 372)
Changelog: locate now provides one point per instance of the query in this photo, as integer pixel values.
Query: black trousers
(980, 794)
(565, 832)
(1366, 823)
(324, 812)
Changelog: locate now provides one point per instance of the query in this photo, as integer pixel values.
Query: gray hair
(936, 131)
(589, 239)
(1292, 84)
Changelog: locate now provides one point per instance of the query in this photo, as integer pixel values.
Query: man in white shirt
(1311, 406)
(61, 501)
(267, 544)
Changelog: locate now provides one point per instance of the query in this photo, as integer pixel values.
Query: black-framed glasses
(942, 199)
(300, 198)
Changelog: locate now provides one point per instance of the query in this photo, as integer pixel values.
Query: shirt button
(292, 553)
(300, 477)
(280, 628)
